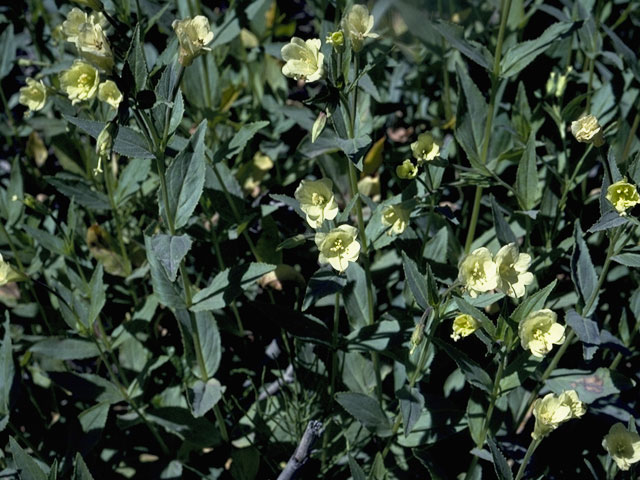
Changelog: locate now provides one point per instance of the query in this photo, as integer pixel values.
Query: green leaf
(627, 259)
(475, 416)
(378, 470)
(411, 406)
(358, 373)
(169, 251)
(167, 291)
(586, 329)
(473, 372)
(80, 471)
(94, 418)
(129, 181)
(527, 187)
(366, 410)
(522, 54)
(137, 61)
(8, 47)
(354, 148)
(7, 372)
(532, 303)
(589, 385)
(377, 337)
(98, 295)
(198, 432)
(29, 468)
(14, 209)
(583, 273)
(355, 296)
(503, 471)
(79, 189)
(185, 179)
(503, 230)
(246, 133)
(356, 471)
(323, 283)
(228, 284)
(210, 343)
(205, 396)
(608, 221)
(454, 34)
(65, 348)
(128, 142)
(417, 282)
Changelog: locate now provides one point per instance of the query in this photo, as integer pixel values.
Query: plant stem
(494, 396)
(505, 7)
(631, 136)
(532, 446)
(108, 180)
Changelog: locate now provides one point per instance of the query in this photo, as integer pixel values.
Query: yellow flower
(623, 196)
(252, 173)
(94, 4)
(553, 410)
(512, 270)
(478, 272)
(194, 34)
(622, 445)
(407, 170)
(317, 201)
(76, 19)
(93, 46)
(336, 40)
(338, 247)
(425, 148)
(396, 217)
(80, 82)
(358, 24)
(8, 274)
(463, 326)
(304, 59)
(587, 130)
(108, 92)
(540, 331)
(33, 95)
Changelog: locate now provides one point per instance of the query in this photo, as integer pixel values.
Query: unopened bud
(318, 126)
(416, 337)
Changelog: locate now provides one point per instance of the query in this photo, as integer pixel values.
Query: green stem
(505, 7)
(532, 447)
(494, 396)
(108, 180)
(334, 370)
(631, 136)
(592, 62)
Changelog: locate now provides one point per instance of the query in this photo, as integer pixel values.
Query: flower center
(337, 247)
(84, 82)
(317, 199)
(477, 273)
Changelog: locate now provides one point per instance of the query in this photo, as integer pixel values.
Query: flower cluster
(507, 271)
(553, 410)
(424, 150)
(303, 58)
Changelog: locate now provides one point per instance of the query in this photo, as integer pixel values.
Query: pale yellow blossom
(623, 446)
(304, 61)
(80, 82)
(623, 196)
(478, 272)
(407, 170)
(425, 148)
(317, 201)
(357, 24)
(539, 332)
(587, 130)
(553, 410)
(463, 326)
(396, 217)
(512, 267)
(339, 247)
(93, 46)
(33, 95)
(194, 34)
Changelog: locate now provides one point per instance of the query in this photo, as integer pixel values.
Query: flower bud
(318, 126)
(7, 273)
(336, 40)
(416, 337)
(587, 130)
(104, 144)
(33, 95)
(194, 34)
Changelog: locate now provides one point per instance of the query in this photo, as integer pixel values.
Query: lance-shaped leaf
(527, 187)
(170, 250)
